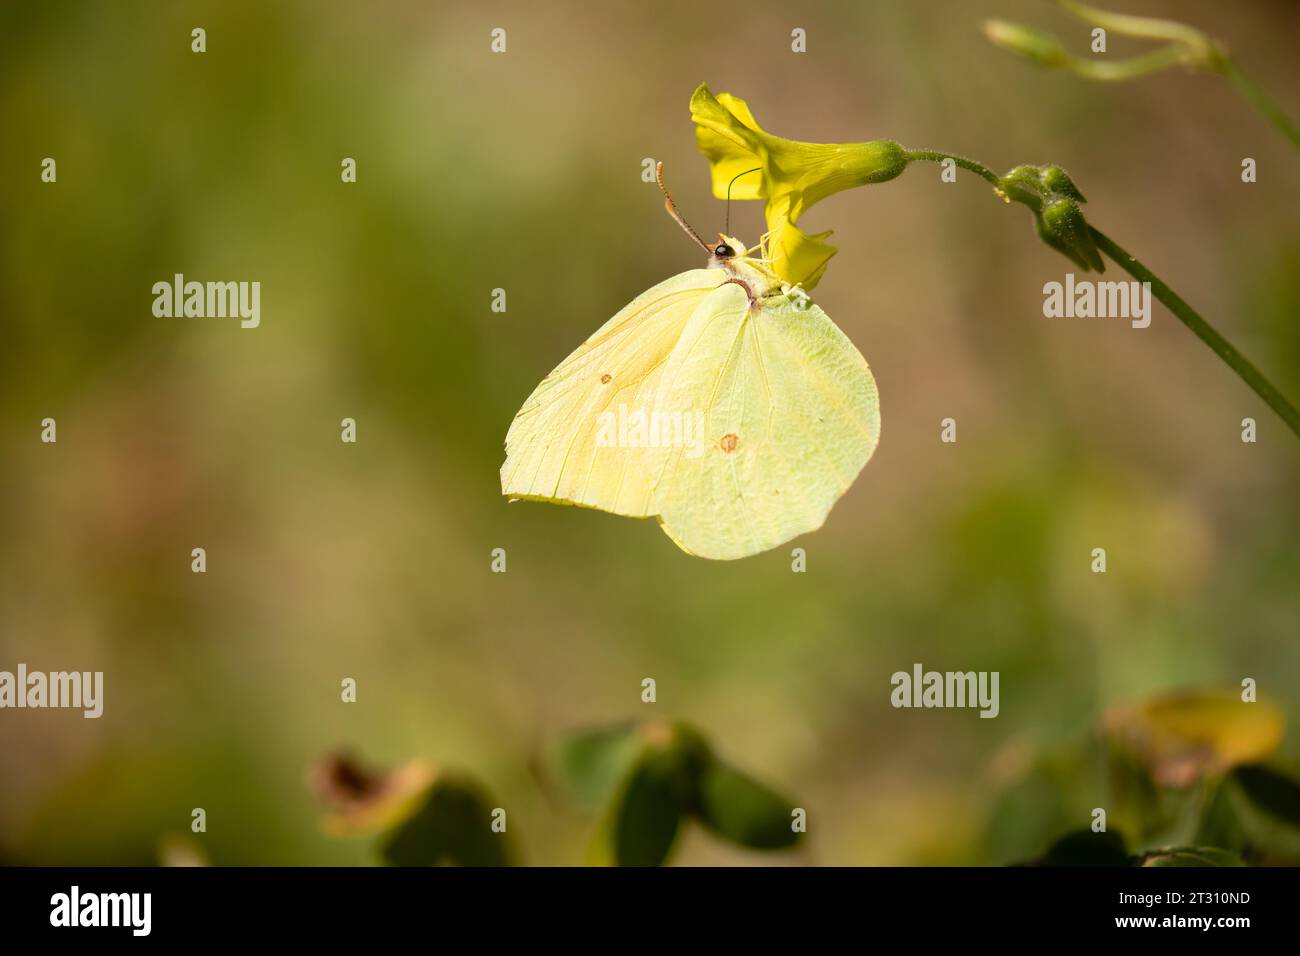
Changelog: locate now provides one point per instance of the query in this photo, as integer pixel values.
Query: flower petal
(793, 176)
(727, 134)
(798, 258)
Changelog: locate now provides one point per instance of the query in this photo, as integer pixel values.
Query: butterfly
(722, 402)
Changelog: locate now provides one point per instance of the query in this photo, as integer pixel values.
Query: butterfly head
(728, 253)
(727, 248)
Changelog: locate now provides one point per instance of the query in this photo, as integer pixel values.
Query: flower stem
(1261, 101)
(934, 156)
(1114, 71)
(1203, 331)
(1184, 312)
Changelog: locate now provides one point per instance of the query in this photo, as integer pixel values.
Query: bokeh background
(522, 171)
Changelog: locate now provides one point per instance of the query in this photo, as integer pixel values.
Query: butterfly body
(720, 401)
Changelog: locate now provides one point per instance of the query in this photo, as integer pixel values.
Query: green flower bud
(1051, 194)
(1032, 185)
(1024, 185)
(1057, 180)
(1043, 48)
(1062, 226)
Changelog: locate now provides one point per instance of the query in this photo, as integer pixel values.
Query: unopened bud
(1062, 226)
(1043, 48)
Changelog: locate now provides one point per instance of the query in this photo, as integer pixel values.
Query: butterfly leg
(799, 299)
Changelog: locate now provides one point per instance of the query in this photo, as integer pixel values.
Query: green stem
(1261, 101)
(1203, 331)
(1184, 312)
(1114, 71)
(934, 156)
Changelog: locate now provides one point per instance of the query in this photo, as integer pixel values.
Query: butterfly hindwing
(790, 416)
(559, 445)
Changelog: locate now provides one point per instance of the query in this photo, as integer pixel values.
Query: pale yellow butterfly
(720, 401)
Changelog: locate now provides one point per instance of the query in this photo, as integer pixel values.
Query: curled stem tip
(1183, 45)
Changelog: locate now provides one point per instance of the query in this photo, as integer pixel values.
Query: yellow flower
(793, 176)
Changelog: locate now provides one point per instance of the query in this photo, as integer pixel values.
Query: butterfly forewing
(580, 438)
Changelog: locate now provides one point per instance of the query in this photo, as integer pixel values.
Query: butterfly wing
(790, 416)
(556, 450)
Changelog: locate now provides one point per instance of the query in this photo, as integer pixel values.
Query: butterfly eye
(723, 251)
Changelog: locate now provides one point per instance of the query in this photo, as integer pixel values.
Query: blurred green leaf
(742, 810)
(1151, 814)
(452, 827)
(642, 822)
(1271, 792)
(649, 813)
(1029, 811)
(589, 764)
(1086, 848)
(674, 775)
(1193, 856)
(1220, 824)
(1268, 808)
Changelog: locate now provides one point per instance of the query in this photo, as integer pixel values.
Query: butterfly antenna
(727, 228)
(672, 209)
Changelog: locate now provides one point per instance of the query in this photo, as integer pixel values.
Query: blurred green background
(522, 171)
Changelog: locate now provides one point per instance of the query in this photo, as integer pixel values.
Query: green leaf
(1027, 813)
(452, 827)
(742, 810)
(1271, 792)
(649, 812)
(1086, 848)
(1193, 856)
(1220, 824)
(670, 774)
(1268, 805)
(642, 822)
(1135, 804)
(590, 764)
